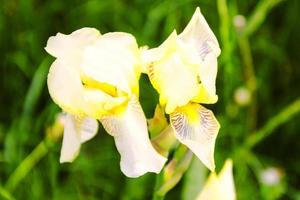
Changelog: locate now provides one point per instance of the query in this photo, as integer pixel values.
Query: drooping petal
(77, 130)
(114, 59)
(219, 187)
(200, 37)
(197, 128)
(129, 130)
(61, 44)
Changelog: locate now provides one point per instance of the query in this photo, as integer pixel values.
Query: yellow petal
(197, 128)
(129, 129)
(203, 96)
(77, 130)
(61, 44)
(114, 59)
(219, 187)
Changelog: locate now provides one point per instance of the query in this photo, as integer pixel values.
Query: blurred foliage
(260, 42)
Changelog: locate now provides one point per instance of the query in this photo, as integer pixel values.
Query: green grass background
(262, 56)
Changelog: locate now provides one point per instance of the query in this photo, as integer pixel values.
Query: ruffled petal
(76, 131)
(129, 129)
(61, 44)
(197, 128)
(219, 187)
(114, 59)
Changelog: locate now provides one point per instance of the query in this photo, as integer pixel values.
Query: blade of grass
(26, 165)
(282, 117)
(5, 194)
(259, 15)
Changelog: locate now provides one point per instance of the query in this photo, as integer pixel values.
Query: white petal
(114, 59)
(61, 44)
(65, 86)
(208, 73)
(226, 181)
(173, 76)
(197, 128)
(132, 141)
(198, 35)
(219, 187)
(88, 128)
(76, 131)
(66, 89)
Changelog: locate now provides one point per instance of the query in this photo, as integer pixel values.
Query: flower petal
(198, 35)
(226, 181)
(197, 128)
(203, 96)
(61, 44)
(114, 59)
(76, 131)
(219, 187)
(129, 129)
(65, 87)
(172, 75)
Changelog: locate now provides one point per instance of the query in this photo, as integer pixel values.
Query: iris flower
(219, 187)
(95, 77)
(183, 70)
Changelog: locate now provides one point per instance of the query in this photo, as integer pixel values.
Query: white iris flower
(183, 70)
(95, 77)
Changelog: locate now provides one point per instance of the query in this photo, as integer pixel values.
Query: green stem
(165, 141)
(259, 15)
(172, 172)
(250, 79)
(5, 194)
(227, 49)
(26, 165)
(158, 183)
(282, 117)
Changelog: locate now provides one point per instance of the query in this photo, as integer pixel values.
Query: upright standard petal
(172, 74)
(197, 128)
(219, 187)
(65, 87)
(62, 45)
(129, 129)
(77, 130)
(200, 37)
(114, 60)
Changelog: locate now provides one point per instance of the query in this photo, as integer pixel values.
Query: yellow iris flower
(95, 77)
(183, 70)
(219, 187)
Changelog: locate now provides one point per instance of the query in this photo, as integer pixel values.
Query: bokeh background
(258, 85)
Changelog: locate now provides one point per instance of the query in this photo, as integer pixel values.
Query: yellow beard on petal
(190, 110)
